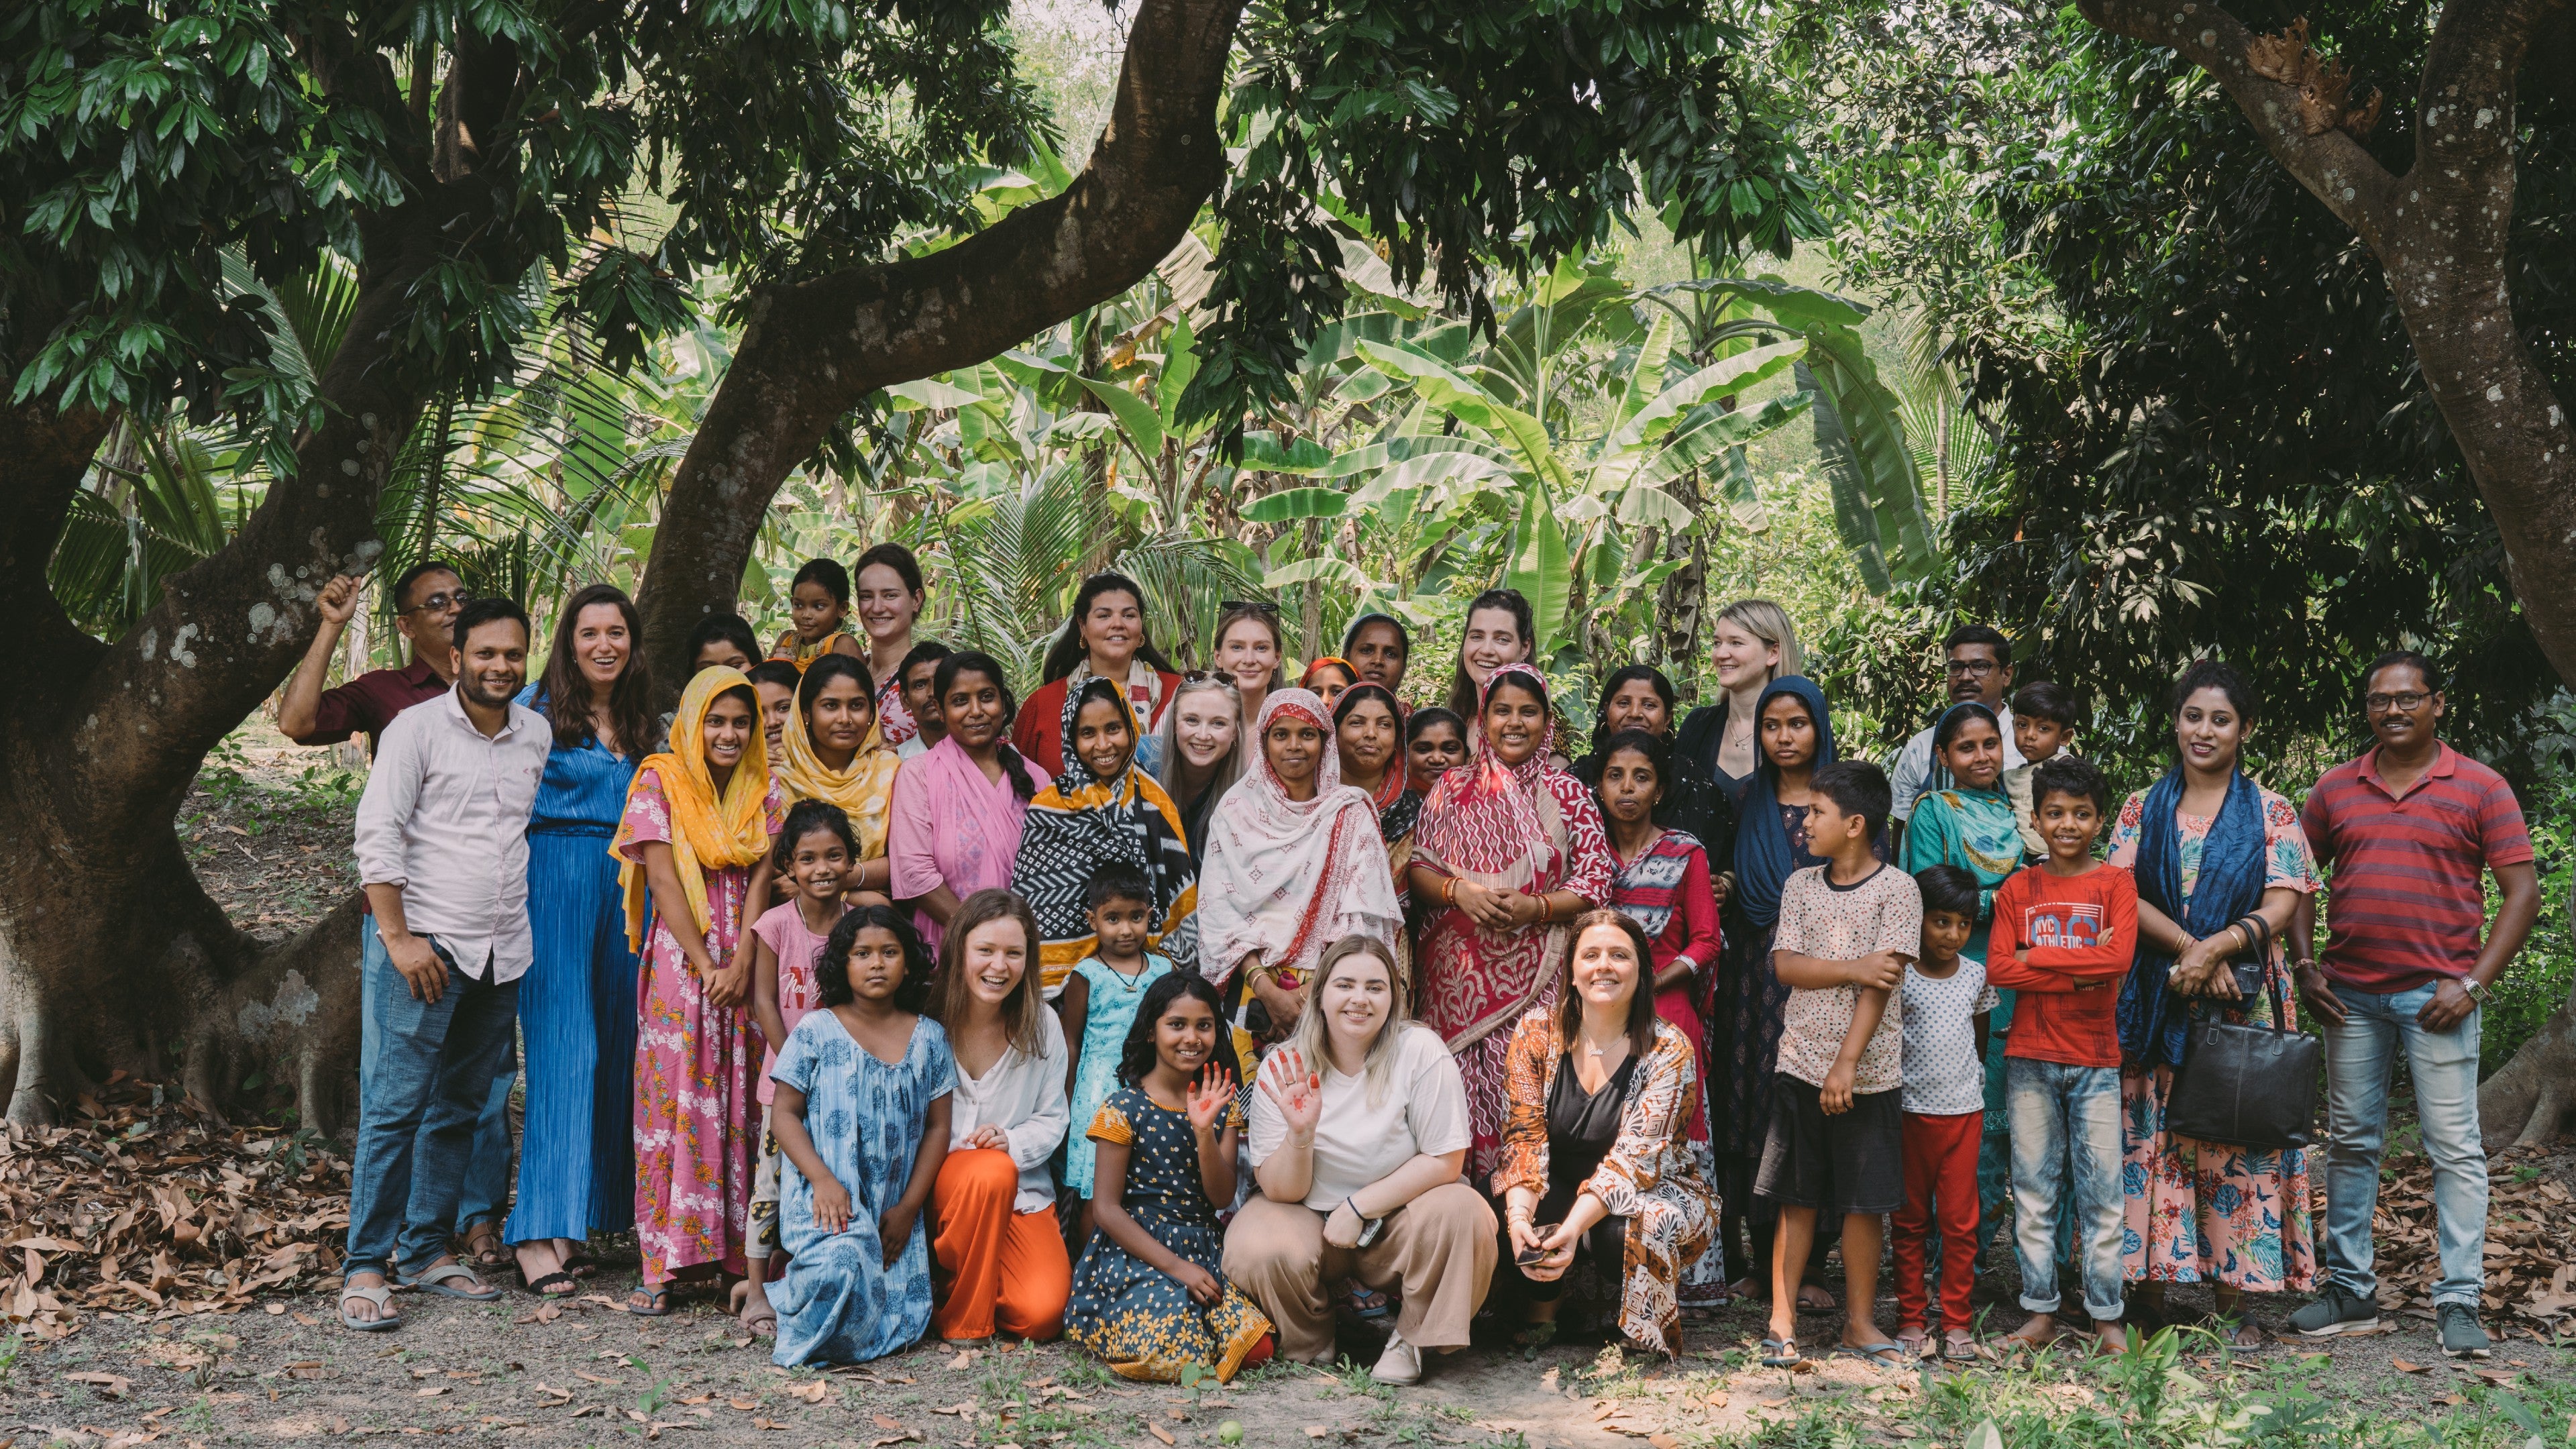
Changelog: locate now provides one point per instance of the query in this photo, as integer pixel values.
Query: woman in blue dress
(577, 1002)
(862, 1121)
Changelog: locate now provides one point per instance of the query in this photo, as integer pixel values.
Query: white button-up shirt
(445, 817)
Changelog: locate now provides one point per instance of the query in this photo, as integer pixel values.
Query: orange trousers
(994, 1268)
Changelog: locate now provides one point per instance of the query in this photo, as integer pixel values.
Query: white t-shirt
(1944, 1077)
(1423, 1110)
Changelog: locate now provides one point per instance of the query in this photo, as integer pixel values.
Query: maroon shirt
(370, 702)
(2408, 900)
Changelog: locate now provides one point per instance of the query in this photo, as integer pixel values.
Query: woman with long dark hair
(2221, 863)
(1595, 1160)
(1105, 638)
(959, 807)
(1640, 697)
(1500, 630)
(577, 1002)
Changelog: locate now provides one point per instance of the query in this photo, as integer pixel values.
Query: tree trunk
(810, 352)
(2530, 1097)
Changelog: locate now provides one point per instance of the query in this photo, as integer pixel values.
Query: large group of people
(1199, 1016)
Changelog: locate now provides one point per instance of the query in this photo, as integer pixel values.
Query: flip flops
(438, 1278)
(1781, 1353)
(552, 1285)
(1884, 1355)
(657, 1301)
(381, 1295)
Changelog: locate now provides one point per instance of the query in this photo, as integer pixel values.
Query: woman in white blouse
(1359, 1133)
(1002, 1261)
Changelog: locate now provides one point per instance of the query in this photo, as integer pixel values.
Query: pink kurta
(697, 1120)
(949, 826)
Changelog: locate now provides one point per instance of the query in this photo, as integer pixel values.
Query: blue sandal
(1781, 1353)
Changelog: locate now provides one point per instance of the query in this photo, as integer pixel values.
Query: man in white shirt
(442, 841)
(1980, 670)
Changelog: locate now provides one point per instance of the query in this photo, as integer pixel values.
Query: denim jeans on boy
(2066, 1165)
(2360, 1056)
(419, 1097)
(487, 1176)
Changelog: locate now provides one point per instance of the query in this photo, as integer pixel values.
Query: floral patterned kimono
(1531, 828)
(697, 1120)
(1647, 1177)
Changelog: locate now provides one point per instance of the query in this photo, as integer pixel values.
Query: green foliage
(1463, 141)
(2212, 433)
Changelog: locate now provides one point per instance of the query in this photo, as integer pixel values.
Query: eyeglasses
(1978, 667)
(2406, 703)
(1257, 606)
(441, 603)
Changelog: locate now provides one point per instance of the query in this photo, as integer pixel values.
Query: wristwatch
(2477, 989)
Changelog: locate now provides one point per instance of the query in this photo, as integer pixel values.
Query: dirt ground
(268, 826)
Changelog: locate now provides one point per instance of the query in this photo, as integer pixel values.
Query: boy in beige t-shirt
(1847, 930)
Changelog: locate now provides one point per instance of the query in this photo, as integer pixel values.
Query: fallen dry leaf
(1159, 1432)
(746, 1405)
(113, 1385)
(964, 1359)
(2404, 1367)
(274, 1310)
(813, 1393)
(883, 1422)
(1663, 1441)
(1316, 1431)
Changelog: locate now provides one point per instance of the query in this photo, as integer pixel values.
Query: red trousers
(994, 1268)
(1940, 1188)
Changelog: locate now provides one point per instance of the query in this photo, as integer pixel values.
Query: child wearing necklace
(1098, 1005)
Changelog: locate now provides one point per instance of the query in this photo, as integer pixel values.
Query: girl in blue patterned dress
(862, 1118)
(1149, 1295)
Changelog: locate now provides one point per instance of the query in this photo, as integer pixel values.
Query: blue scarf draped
(2228, 886)
(1763, 858)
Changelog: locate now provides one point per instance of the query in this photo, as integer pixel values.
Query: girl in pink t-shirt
(817, 851)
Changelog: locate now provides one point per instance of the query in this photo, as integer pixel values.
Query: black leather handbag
(2247, 1085)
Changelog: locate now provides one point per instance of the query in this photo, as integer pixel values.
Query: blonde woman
(1754, 643)
(1202, 751)
(1359, 1134)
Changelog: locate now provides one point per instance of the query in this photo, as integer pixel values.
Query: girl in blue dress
(1150, 1294)
(577, 1001)
(862, 1118)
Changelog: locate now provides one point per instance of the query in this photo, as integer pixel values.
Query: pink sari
(1529, 828)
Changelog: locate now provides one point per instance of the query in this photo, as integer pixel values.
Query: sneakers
(1402, 1362)
(2336, 1310)
(2461, 1335)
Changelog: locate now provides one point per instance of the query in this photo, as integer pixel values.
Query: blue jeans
(2066, 1155)
(420, 1092)
(487, 1175)
(2361, 1054)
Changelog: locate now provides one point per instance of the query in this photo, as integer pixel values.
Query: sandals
(580, 1264)
(1781, 1353)
(381, 1295)
(657, 1301)
(1537, 1334)
(1958, 1351)
(557, 1284)
(491, 1256)
(437, 1278)
(1884, 1355)
(1916, 1341)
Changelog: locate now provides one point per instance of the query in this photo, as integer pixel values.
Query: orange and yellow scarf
(709, 831)
(864, 791)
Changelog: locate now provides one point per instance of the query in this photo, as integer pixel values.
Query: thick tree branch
(2331, 164)
(2441, 233)
(812, 352)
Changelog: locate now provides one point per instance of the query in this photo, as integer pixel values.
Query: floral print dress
(2208, 1211)
(697, 1117)
(1129, 1312)
(1647, 1177)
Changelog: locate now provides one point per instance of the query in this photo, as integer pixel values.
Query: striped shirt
(2407, 902)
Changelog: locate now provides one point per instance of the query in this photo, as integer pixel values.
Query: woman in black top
(1639, 697)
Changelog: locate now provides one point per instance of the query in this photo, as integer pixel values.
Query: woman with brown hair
(577, 1156)
(1106, 638)
(1595, 1162)
(1000, 1259)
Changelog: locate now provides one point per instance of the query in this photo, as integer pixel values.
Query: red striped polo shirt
(2407, 900)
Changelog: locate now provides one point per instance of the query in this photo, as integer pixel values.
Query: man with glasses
(2409, 828)
(1979, 670)
(429, 596)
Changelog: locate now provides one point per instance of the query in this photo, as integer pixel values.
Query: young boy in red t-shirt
(2064, 932)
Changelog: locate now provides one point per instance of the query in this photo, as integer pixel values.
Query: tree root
(2528, 1099)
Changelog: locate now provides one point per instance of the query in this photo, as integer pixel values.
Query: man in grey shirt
(443, 853)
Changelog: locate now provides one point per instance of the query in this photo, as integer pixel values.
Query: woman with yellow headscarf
(695, 839)
(831, 754)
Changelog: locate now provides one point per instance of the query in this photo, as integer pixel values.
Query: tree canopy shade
(165, 164)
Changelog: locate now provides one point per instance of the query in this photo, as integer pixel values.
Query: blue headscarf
(2228, 887)
(1763, 858)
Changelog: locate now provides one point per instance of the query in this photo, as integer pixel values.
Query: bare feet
(751, 1303)
(2039, 1332)
(1812, 1298)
